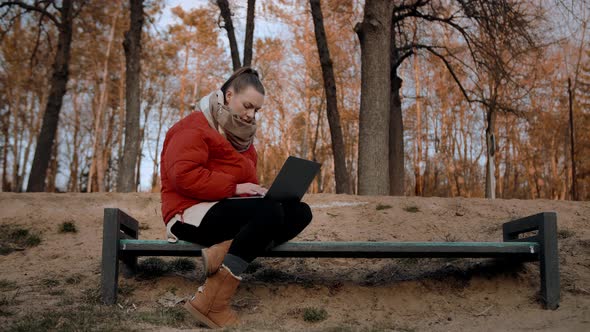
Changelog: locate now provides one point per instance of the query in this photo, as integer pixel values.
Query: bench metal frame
(532, 238)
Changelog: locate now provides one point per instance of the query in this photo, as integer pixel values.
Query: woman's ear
(229, 94)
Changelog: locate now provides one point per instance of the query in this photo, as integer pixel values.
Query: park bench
(532, 238)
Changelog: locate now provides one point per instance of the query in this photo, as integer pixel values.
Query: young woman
(208, 157)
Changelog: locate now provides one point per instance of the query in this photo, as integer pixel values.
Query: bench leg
(110, 257)
(549, 261)
(546, 226)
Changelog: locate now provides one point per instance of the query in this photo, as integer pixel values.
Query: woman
(208, 157)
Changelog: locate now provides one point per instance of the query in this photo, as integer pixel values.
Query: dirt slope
(53, 285)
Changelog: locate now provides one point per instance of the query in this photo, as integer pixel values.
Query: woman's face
(246, 103)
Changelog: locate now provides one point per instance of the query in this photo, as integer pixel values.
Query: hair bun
(245, 76)
(250, 70)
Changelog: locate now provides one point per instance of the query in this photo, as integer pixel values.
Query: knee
(305, 213)
(297, 217)
(298, 213)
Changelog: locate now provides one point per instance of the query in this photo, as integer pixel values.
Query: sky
(263, 28)
(167, 17)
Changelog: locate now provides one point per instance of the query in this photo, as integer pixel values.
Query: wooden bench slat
(355, 243)
(349, 249)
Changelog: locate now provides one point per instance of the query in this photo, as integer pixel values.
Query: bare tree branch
(28, 8)
(36, 47)
(10, 23)
(448, 21)
(81, 5)
(404, 11)
(449, 68)
(402, 58)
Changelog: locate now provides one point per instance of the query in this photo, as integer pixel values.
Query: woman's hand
(250, 189)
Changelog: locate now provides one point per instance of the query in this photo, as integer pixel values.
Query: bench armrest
(541, 223)
(127, 225)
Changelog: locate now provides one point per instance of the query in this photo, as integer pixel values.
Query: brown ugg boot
(213, 256)
(210, 305)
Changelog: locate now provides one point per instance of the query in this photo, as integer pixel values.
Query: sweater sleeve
(186, 157)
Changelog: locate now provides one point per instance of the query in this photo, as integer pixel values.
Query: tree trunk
(462, 160)
(97, 142)
(572, 139)
(507, 192)
(106, 167)
(517, 161)
(17, 133)
(397, 170)
(396, 156)
(156, 160)
(138, 163)
(229, 27)
(497, 159)
(341, 173)
(121, 117)
(315, 141)
(5, 131)
(437, 158)
(249, 33)
(132, 45)
(73, 182)
(58, 84)
(490, 190)
(419, 189)
(33, 129)
(454, 156)
(554, 183)
(183, 81)
(53, 166)
(374, 33)
(142, 135)
(447, 151)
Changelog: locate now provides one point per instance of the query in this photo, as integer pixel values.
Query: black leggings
(255, 225)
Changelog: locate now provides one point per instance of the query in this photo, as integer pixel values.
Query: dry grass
(412, 209)
(68, 227)
(380, 207)
(16, 238)
(312, 314)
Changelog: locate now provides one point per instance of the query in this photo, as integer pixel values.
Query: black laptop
(292, 181)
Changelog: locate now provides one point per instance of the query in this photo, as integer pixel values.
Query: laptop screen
(293, 179)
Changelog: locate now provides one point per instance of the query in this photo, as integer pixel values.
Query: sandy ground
(53, 285)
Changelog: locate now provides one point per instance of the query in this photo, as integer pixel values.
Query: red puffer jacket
(198, 164)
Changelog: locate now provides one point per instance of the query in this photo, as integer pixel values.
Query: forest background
(423, 97)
